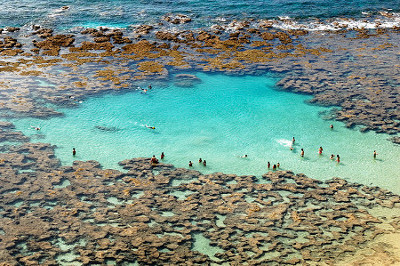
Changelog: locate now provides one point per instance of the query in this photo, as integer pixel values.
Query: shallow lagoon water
(219, 120)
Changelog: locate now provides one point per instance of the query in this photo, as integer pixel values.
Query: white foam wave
(383, 20)
(58, 12)
(284, 142)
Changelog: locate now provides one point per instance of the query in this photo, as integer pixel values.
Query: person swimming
(332, 157)
(151, 127)
(243, 156)
(36, 128)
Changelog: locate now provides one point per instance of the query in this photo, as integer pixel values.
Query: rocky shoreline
(52, 214)
(354, 70)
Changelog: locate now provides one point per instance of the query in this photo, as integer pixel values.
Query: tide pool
(219, 120)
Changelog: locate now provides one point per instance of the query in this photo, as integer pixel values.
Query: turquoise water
(219, 120)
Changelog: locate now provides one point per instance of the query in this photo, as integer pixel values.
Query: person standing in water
(302, 152)
(320, 150)
(293, 140)
(190, 164)
(332, 156)
(162, 155)
(200, 160)
(269, 165)
(278, 165)
(73, 152)
(338, 158)
(375, 154)
(204, 163)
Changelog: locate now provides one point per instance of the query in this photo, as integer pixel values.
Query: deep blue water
(122, 13)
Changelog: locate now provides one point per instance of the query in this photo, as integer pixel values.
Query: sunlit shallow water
(219, 120)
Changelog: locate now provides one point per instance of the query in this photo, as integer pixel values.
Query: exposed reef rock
(156, 214)
(335, 71)
(177, 19)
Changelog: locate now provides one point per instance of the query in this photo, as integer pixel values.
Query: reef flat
(82, 214)
(53, 214)
(333, 66)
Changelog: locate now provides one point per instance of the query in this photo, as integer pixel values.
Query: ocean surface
(122, 14)
(222, 118)
(219, 120)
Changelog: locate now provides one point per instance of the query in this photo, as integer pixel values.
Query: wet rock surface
(333, 66)
(53, 214)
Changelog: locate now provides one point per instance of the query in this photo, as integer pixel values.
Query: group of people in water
(201, 161)
(145, 90)
(154, 161)
(320, 150)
